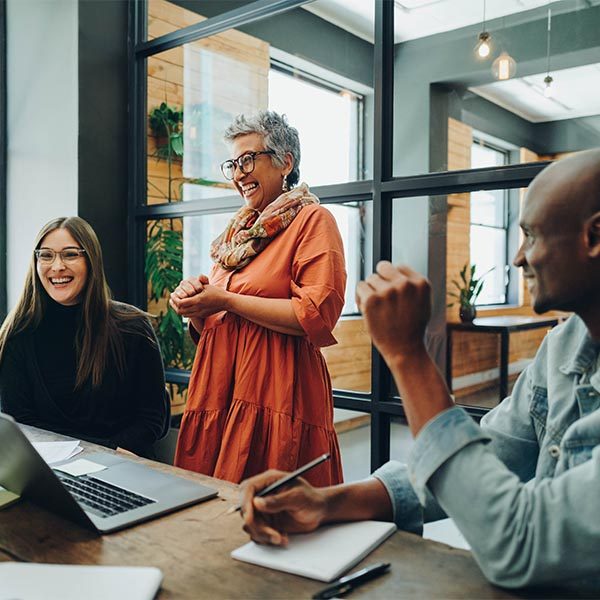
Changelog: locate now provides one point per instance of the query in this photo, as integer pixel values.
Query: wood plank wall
(237, 83)
(349, 362)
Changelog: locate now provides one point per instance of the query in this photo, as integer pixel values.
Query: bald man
(524, 486)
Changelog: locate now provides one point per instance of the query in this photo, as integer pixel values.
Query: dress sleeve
(152, 407)
(318, 277)
(16, 387)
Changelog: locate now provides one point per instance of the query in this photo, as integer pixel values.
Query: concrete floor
(355, 446)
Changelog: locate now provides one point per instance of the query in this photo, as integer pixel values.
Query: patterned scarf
(250, 231)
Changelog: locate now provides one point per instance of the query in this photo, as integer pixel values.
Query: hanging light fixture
(504, 67)
(548, 79)
(483, 47)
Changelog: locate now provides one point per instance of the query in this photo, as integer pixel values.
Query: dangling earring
(284, 184)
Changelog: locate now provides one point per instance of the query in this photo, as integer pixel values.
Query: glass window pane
(165, 17)
(178, 248)
(488, 208)
(446, 94)
(337, 118)
(196, 90)
(488, 254)
(349, 361)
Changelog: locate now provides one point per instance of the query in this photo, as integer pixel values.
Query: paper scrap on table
(446, 532)
(80, 467)
(7, 498)
(53, 452)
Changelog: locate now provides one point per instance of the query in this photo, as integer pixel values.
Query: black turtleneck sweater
(37, 385)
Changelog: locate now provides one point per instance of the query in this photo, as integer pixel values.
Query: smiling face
(554, 254)
(263, 185)
(64, 282)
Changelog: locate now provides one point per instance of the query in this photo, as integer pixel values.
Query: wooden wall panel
(180, 75)
(349, 361)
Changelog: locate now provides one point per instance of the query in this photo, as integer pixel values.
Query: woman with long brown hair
(74, 361)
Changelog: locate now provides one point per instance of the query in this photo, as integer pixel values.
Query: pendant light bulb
(483, 47)
(548, 89)
(504, 67)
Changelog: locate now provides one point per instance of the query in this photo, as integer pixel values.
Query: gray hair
(277, 134)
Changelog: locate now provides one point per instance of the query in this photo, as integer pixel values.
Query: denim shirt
(524, 487)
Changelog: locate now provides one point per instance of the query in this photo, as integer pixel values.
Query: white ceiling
(574, 94)
(417, 18)
(575, 91)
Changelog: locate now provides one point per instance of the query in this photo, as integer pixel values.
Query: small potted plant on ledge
(468, 291)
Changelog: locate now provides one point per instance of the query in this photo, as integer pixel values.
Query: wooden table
(503, 326)
(192, 548)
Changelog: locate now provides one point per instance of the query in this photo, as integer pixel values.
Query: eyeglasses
(47, 256)
(245, 162)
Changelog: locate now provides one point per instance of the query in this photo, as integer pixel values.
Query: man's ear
(593, 235)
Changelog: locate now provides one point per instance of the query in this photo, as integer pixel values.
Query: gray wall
(42, 115)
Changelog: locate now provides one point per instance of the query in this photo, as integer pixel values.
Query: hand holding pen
(295, 507)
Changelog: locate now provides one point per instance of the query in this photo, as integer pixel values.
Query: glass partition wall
(419, 146)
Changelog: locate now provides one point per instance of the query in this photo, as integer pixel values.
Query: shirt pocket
(578, 451)
(538, 411)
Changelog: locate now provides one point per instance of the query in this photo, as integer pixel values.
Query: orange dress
(259, 399)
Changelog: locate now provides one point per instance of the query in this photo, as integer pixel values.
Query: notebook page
(323, 554)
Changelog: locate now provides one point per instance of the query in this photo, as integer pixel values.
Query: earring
(284, 184)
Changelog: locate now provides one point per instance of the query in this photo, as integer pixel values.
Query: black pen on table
(286, 479)
(350, 582)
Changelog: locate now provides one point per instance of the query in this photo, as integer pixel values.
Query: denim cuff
(441, 438)
(407, 511)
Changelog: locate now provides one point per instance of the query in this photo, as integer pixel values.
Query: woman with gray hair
(260, 393)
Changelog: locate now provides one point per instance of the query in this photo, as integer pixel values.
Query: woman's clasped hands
(194, 297)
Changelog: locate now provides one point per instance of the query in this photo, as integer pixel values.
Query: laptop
(123, 494)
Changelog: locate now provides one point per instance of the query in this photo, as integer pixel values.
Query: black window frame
(382, 403)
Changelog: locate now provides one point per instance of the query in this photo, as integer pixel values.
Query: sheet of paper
(7, 498)
(53, 452)
(323, 554)
(80, 467)
(73, 582)
(446, 532)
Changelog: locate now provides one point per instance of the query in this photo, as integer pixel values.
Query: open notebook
(32, 581)
(323, 554)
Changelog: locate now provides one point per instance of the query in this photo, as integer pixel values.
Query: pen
(349, 582)
(286, 479)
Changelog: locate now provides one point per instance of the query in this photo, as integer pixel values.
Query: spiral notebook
(323, 554)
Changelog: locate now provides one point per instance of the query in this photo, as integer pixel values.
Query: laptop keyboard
(101, 498)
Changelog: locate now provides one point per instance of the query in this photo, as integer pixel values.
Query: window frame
(382, 403)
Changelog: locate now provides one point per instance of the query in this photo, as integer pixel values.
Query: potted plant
(467, 292)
